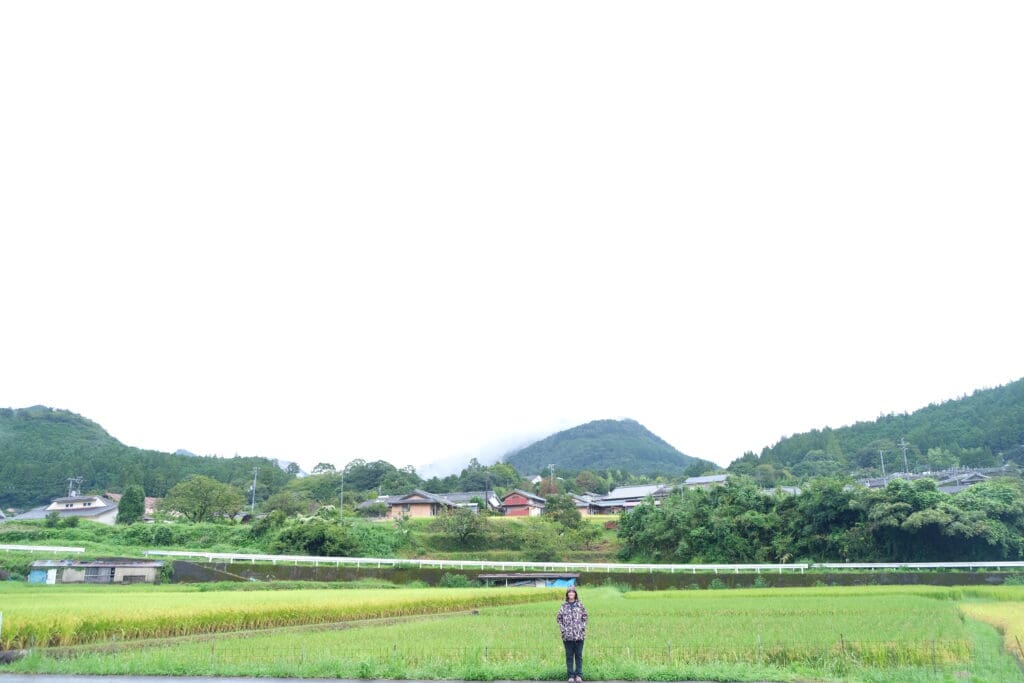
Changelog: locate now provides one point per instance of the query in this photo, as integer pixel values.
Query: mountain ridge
(601, 445)
(985, 428)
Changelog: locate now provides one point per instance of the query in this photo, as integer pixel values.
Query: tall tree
(202, 499)
(132, 505)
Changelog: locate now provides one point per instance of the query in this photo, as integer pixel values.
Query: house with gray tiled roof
(420, 503)
(94, 508)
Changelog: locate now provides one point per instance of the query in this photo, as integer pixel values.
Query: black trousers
(573, 657)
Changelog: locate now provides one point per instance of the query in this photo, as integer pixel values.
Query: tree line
(985, 429)
(829, 521)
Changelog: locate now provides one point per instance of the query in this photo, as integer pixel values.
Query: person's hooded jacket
(572, 620)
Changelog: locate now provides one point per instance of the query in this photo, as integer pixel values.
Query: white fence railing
(42, 548)
(472, 564)
(1008, 564)
(582, 566)
(378, 562)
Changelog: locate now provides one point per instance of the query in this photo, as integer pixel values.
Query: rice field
(1003, 608)
(869, 634)
(45, 616)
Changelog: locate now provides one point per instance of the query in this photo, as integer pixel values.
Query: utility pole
(903, 444)
(881, 454)
(252, 508)
(74, 486)
(551, 467)
(341, 502)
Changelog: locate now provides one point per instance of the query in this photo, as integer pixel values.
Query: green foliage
(980, 430)
(201, 499)
(41, 447)
(132, 505)
(290, 502)
(316, 537)
(464, 526)
(561, 509)
(542, 543)
(344, 538)
(829, 522)
(449, 580)
(600, 445)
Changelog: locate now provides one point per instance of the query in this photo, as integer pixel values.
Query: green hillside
(602, 445)
(985, 429)
(40, 448)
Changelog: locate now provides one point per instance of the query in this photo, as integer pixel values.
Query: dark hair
(571, 590)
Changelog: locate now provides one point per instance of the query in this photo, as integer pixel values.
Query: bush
(315, 537)
(162, 535)
(456, 581)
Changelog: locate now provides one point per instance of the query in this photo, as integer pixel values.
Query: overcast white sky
(428, 231)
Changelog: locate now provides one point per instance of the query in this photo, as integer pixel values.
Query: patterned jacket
(572, 619)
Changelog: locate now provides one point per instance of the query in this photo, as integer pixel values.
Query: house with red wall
(522, 504)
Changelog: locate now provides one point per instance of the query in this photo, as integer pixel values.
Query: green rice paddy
(826, 634)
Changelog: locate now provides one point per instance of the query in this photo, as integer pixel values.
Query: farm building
(533, 579)
(522, 504)
(94, 571)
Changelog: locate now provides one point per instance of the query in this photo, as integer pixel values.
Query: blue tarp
(561, 583)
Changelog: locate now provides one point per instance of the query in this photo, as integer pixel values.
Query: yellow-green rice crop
(70, 615)
(1007, 617)
(666, 635)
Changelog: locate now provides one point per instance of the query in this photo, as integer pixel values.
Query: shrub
(456, 581)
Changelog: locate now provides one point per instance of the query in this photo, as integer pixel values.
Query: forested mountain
(602, 445)
(984, 429)
(40, 448)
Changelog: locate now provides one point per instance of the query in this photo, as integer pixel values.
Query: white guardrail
(471, 564)
(584, 566)
(379, 562)
(42, 548)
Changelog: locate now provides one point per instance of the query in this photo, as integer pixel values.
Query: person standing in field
(572, 620)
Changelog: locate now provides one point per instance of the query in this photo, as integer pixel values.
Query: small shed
(95, 571)
(532, 579)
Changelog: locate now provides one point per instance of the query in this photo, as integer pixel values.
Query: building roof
(386, 500)
(463, 497)
(458, 498)
(151, 564)
(709, 479)
(526, 494)
(627, 492)
(105, 505)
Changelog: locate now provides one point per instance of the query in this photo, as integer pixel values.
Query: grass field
(828, 634)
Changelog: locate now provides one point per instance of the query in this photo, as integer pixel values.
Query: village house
(706, 482)
(520, 503)
(626, 498)
(421, 503)
(583, 503)
(92, 507)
